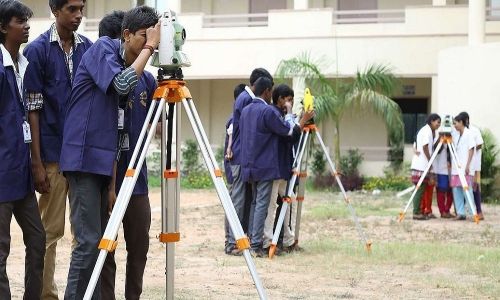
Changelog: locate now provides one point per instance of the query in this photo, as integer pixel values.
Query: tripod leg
(242, 241)
(300, 194)
(463, 181)
(287, 198)
(108, 242)
(169, 197)
(346, 199)
(420, 180)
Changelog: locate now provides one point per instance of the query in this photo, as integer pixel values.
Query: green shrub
(197, 180)
(349, 167)
(388, 183)
(318, 166)
(489, 167)
(190, 159)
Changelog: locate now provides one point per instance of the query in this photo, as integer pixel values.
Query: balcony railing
(235, 20)
(368, 16)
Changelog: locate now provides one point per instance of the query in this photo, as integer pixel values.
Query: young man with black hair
(54, 57)
(137, 218)
(17, 195)
(282, 97)
(110, 69)
(239, 189)
(261, 126)
(228, 142)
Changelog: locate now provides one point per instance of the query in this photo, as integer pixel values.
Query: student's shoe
(446, 216)
(293, 248)
(259, 252)
(419, 217)
(430, 216)
(232, 250)
(481, 217)
(460, 218)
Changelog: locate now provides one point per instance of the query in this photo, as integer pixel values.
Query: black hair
(10, 9)
(257, 73)
(432, 118)
(139, 18)
(281, 90)
(58, 4)
(238, 89)
(261, 85)
(111, 24)
(466, 115)
(461, 118)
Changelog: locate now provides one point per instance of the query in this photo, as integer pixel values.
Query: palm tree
(368, 91)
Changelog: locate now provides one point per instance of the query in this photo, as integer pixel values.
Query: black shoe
(259, 252)
(232, 250)
(420, 217)
(460, 218)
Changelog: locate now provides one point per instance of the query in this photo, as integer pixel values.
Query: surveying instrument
(299, 169)
(171, 92)
(444, 138)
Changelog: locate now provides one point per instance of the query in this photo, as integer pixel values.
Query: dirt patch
(333, 265)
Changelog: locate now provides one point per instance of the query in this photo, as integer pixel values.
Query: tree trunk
(336, 142)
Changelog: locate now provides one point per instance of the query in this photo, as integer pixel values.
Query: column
(300, 4)
(298, 86)
(442, 2)
(477, 16)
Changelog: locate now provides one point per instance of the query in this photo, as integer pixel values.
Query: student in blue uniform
(261, 126)
(239, 189)
(17, 195)
(110, 69)
(282, 97)
(54, 57)
(137, 218)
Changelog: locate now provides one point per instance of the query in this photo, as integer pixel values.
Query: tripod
(173, 91)
(300, 170)
(445, 138)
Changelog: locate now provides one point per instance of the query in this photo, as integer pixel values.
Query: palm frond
(377, 78)
(380, 104)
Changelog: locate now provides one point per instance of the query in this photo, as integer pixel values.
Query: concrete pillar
(174, 5)
(300, 4)
(434, 96)
(477, 16)
(298, 86)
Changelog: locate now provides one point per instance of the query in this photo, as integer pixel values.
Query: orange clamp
(218, 173)
(168, 174)
(303, 174)
(108, 245)
(130, 173)
(300, 199)
(243, 243)
(287, 199)
(172, 90)
(170, 237)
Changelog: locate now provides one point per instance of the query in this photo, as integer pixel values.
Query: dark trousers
(136, 223)
(88, 200)
(261, 196)
(27, 216)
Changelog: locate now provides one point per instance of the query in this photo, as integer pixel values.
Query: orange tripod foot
(272, 251)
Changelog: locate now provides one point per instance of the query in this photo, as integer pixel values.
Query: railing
(91, 24)
(368, 16)
(493, 14)
(235, 20)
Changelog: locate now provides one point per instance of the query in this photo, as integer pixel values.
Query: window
(414, 116)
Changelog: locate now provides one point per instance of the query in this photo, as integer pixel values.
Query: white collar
(249, 91)
(257, 98)
(8, 62)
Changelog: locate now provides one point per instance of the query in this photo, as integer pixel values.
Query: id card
(26, 132)
(121, 118)
(125, 146)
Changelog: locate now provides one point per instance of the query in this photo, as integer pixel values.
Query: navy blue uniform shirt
(261, 127)
(15, 165)
(48, 75)
(137, 107)
(91, 126)
(227, 163)
(243, 99)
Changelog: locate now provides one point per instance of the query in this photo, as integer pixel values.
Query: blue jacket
(241, 102)
(15, 165)
(227, 163)
(137, 108)
(48, 74)
(91, 126)
(261, 127)
(285, 150)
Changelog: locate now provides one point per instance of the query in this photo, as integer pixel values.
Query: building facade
(226, 39)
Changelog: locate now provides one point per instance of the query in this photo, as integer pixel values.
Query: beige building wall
(40, 8)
